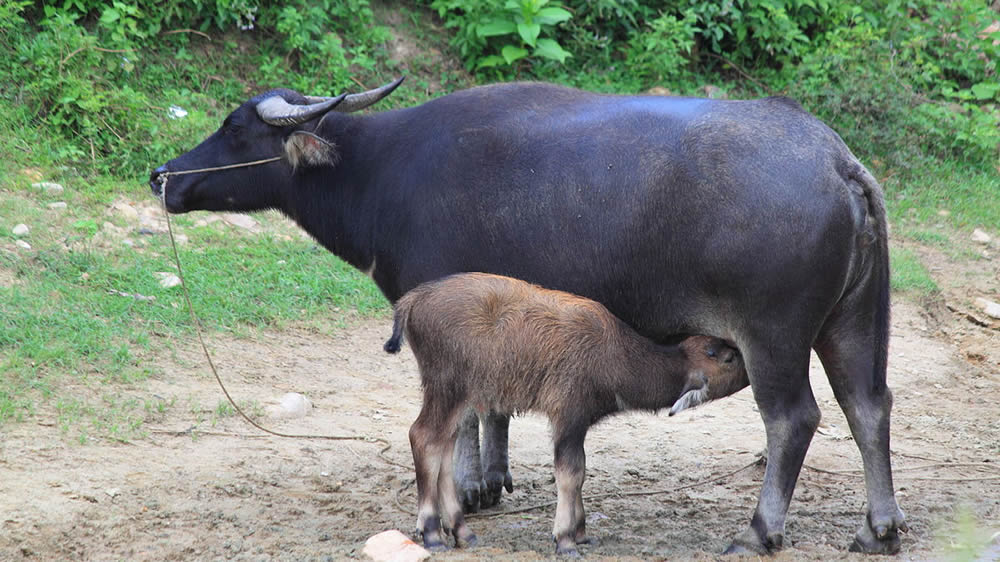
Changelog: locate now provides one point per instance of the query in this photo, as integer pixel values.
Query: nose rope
(166, 174)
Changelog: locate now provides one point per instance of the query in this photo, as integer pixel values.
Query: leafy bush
(872, 81)
(83, 68)
(662, 51)
(483, 29)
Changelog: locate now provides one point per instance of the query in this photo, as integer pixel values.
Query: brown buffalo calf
(501, 345)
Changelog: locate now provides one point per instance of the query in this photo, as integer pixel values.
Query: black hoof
(494, 483)
(881, 538)
(749, 543)
(471, 499)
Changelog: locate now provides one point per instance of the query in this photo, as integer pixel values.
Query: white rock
(980, 236)
(292, 405)
(49, 187)
(989, 307)
(242, 221)
(167, 279)
(125, 210)
(20, 229)
(57, 205)
(22, 244)
(395, 547)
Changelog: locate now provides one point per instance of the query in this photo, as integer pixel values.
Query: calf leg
(780, 379)
(454, 519)
(849, 357)
(427, 460)
(569, 527)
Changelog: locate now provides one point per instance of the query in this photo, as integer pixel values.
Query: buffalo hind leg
(848, 354)
(779, 375)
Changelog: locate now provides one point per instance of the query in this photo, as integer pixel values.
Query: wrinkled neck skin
(334, 203)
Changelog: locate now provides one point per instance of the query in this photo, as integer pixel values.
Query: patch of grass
(965, 539)
(928, 237)
(909, 274)
(970, 195)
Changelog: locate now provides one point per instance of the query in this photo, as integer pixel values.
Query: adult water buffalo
(747, 220)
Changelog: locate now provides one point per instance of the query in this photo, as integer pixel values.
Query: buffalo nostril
(156, 179)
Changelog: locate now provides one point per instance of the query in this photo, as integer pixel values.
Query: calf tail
(400, 315)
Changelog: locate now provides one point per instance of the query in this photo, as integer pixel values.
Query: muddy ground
(195, 489)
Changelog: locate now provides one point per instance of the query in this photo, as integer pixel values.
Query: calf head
(717, 370)
(278, 123)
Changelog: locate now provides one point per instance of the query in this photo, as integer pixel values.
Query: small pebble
(20, 230)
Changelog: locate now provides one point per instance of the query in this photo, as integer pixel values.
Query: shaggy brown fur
(498, 344)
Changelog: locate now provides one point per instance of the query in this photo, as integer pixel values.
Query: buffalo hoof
(880, 535)
(494, 483)
(748, 542)
(473, 496)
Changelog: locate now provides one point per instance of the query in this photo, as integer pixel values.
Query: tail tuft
(393, 344)
(399, 318)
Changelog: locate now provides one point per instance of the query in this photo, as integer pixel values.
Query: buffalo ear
(308, 149)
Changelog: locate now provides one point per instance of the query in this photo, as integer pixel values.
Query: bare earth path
(227, 492)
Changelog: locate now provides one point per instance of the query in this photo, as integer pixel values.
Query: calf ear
(307, 149)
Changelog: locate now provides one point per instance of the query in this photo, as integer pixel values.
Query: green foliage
(760, 31)
(868, 90)
(661, 52)
(330, 42)
(489, 36)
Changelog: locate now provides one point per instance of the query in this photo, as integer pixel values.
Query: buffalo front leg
(478, 489)
(496, 465)
(468, 466)
(780, 380)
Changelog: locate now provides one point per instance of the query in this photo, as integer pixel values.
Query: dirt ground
(225, 491)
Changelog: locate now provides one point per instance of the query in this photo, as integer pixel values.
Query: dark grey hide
(747, 220)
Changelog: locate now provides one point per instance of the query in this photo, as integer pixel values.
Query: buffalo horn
(276, 111)
(355, 102)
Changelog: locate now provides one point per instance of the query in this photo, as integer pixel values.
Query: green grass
(909, 275)
(970, 195)
(73, 345)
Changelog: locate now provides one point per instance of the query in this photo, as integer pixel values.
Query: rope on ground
(592, 497)
(896, 471)
(198, 331)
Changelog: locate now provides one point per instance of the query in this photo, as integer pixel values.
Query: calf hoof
(566, 547)
(748, 542)
(470, 541)
(494, 483)
(880, 535)
(435, 546)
